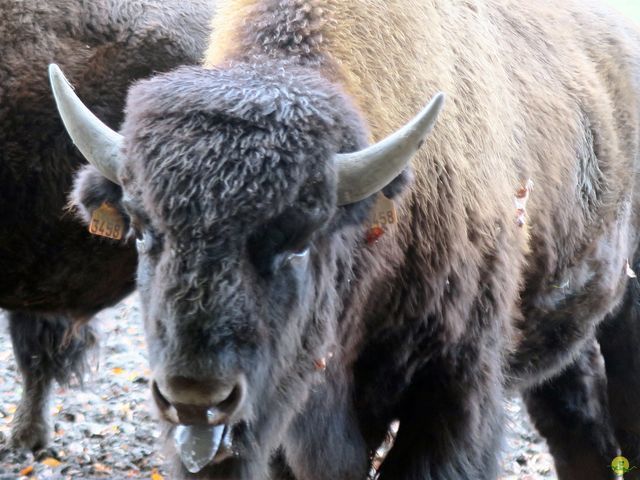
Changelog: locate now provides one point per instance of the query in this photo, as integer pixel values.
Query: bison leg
(571, 412)
(448, 430)
(619, 339)
(46, 348)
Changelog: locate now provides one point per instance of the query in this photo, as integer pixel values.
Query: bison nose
(191, 401)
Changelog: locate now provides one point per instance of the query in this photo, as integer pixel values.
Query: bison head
(244, 210)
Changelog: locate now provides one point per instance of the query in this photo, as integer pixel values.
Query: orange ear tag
(106, 221)
(383, 214)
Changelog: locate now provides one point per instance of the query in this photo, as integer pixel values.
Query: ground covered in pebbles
(106, 429)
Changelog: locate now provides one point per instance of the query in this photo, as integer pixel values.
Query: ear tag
(106, 221)
(383, 214)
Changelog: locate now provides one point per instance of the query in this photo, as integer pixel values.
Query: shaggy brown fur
(228, 170)
(53, 272)
(536, 119)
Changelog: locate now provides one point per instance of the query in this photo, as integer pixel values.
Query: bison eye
(268, 263)
(144, 241)
(298, 257)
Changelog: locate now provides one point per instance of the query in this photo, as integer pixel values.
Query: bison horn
(100, 145)
(367, 171)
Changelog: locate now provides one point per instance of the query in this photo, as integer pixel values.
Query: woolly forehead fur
(241, 142)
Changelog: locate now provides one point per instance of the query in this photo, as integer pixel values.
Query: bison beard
(253, 265)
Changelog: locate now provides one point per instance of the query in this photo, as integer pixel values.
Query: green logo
(620, 465)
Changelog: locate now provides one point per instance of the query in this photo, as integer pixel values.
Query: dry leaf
(51, 462)
(100, 468)
(156, 476)
(117, 370)
(26, 471)
(320, 364)
(521, 198)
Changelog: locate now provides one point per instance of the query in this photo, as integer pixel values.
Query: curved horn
(100, 145)
(367, 171)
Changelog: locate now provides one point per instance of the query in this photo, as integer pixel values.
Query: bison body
(55, 275)
(279, 330)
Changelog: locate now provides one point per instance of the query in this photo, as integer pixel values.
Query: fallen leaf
(26, 471)
(51, 462)
(156, 476)
(99, 467)
(521, 198)
(117, 370)
(320, 364)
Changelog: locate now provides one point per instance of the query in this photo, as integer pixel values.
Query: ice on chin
(197, 445)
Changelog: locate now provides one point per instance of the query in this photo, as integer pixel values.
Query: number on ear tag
(106, 221)
(383, 214)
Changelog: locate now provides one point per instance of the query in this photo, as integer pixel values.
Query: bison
(291, 316)
(55, 275)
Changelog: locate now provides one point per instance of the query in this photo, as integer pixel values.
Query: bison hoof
(30, 435)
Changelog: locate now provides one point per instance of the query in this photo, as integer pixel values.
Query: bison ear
(357, 213)
(91, 190)
(398, 184)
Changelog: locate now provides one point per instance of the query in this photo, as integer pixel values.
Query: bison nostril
(167, 410)
(158, 397)
(233, 400)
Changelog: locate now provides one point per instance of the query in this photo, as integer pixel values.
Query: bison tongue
(197, 445)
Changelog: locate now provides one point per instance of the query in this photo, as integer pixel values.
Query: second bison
(55, 275)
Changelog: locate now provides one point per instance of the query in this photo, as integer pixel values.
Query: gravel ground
(106, 429)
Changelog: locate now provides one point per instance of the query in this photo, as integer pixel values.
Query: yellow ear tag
(383, 214)
(106, 221)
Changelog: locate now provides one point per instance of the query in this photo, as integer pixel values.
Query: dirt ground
(106, 429)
